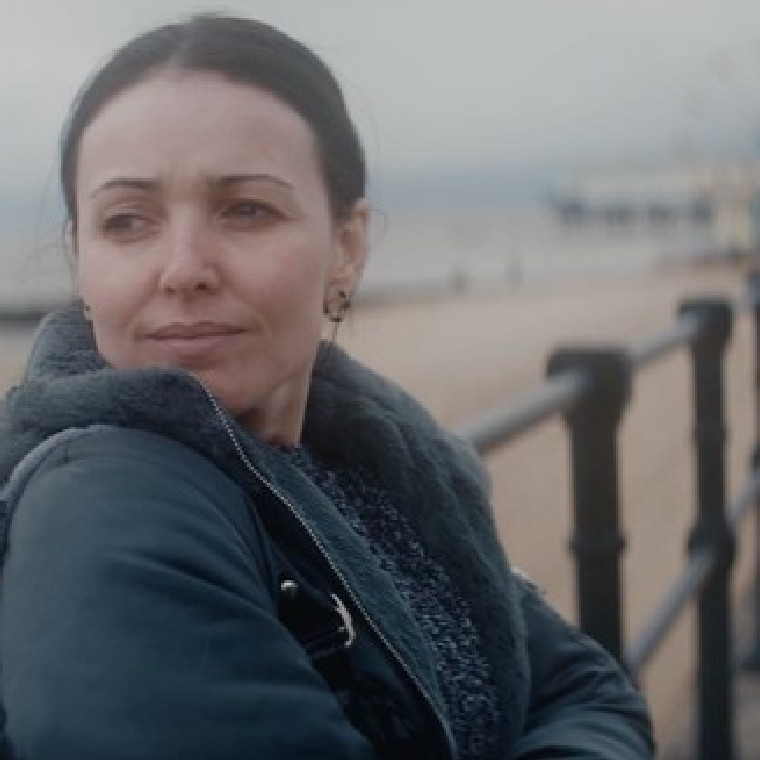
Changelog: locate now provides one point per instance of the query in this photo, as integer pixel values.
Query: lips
(193, 331)
(192, 342)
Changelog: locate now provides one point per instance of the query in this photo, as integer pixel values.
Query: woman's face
(205, 241)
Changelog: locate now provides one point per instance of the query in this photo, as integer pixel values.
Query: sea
(518, 248)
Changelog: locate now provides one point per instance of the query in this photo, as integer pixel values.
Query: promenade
(462, 354)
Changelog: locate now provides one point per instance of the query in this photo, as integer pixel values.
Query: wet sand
(461, 355)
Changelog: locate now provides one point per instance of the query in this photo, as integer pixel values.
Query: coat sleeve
(137, 621)
(582, 706)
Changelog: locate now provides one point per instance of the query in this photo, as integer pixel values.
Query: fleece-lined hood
(354, 418)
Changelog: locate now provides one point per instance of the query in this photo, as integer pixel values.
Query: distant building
(722, 199)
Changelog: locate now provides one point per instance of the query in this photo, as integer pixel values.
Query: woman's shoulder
(128, 449)
(81, 483)
(114, 453)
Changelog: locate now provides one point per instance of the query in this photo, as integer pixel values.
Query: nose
(190, 265)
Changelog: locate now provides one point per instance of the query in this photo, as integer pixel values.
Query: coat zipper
(335, 569)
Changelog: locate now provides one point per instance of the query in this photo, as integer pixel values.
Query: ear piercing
(335, 309)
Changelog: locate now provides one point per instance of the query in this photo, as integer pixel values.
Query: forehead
(183, 123)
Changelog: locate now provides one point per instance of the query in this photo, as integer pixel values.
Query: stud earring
(87, 312)
(336, 309)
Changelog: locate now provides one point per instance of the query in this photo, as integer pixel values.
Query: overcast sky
(510, 92)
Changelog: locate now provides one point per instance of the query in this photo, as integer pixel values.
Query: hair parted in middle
(243, 51)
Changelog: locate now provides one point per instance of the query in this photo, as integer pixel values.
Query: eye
(248, 212)
(125, 224)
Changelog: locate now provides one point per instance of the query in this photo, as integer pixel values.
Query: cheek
(106, 269)
(111, 293)
(97, 292)
(296, 280)
(295, 304)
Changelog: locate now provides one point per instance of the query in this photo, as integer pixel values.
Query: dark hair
(243, 51)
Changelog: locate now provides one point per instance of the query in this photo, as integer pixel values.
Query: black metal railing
(26, 315)
(590, 385)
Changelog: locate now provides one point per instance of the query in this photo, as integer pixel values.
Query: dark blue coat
(148, 542)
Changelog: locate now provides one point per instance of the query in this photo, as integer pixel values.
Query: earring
(336, 308)
(87, 312)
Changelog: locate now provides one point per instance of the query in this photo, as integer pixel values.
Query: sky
(457, 100)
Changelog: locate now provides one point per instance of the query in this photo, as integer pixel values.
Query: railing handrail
(497, 426)
(27, 314)
(681, 593)
(676, 599)
(590, 386)
(501, 424)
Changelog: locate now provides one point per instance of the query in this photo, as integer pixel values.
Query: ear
(70, 243)
(71, 251)
(70, 238)
(351, 237)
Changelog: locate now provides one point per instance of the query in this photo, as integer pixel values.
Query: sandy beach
(463, 354)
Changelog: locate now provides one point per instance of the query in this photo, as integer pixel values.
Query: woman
(223, 539)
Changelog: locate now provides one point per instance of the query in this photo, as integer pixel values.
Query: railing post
(752, 662)
(597, 541)
(712, 529)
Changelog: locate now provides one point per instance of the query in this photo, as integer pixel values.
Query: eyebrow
(138, 183)
(236, 179)
(130, 182)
